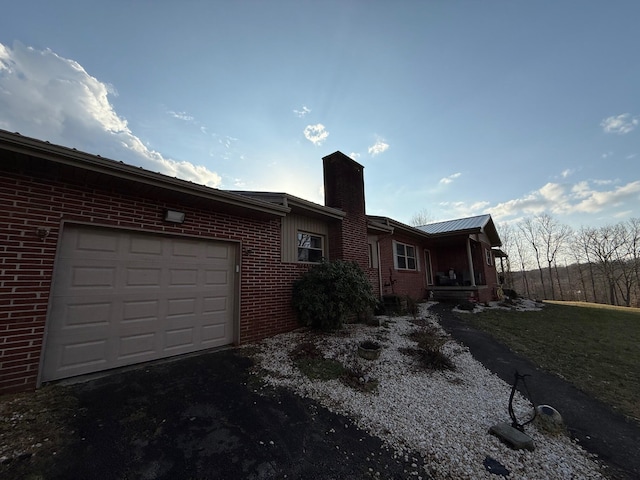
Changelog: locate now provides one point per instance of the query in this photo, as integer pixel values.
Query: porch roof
(469, 225)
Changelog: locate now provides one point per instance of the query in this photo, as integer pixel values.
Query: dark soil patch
(198, 418)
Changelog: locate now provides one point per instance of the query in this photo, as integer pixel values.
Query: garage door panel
(83, 354)
(92, 243)
(140, 310)
(214, 304)
(83, 312)
(179, 338)
(216, 251)
(181, 277)
(143, 277)
(136, 346)
(142, 297)
(148, 245)
(186, 248)
(216, 277)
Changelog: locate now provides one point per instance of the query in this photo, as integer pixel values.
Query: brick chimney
(344, 190)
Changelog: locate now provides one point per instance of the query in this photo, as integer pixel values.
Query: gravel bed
(444, 416)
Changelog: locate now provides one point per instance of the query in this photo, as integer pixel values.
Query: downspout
(379, 266)
(470, 260)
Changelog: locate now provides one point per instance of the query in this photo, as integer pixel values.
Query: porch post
(470, 260)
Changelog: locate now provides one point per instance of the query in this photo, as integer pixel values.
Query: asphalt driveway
(598, 428)
(203, 418)
(200, 418)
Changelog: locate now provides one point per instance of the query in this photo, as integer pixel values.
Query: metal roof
(479, 223)
(459, 224)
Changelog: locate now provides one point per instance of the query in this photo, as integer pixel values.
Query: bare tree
(553, 235)
(603, 245)
(421, 218)
(519, 242)
(576, 252)
(528, 229)
(634, 233)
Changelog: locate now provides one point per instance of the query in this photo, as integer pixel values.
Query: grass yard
(595, 347)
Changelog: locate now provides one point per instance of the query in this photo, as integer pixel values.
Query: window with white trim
(489, 256)
(405, 257)
(310, 247)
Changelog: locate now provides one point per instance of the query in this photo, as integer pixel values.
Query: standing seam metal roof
(460, 224)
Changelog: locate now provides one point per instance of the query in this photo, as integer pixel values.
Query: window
(310, 247)
(489, 256)
(405, 257)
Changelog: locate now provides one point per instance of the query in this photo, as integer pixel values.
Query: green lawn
(597, 348)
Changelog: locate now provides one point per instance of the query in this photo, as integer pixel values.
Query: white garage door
(122, 297)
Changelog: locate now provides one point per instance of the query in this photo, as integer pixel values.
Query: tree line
(550, 260)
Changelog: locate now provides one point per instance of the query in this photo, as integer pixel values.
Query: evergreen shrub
(330, 292)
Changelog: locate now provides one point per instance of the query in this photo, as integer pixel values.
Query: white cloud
(354, 155)
(302, 113)
(52, 98)
(450, 178)
(565, 199)
(181, 115)
(620, 124)
(567, 172)
(378, 148)
(316, 134)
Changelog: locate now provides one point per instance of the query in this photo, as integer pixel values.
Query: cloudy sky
(454, 107)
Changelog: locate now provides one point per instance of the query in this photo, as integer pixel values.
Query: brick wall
(29, 202)
(344, 189)
(402, 282)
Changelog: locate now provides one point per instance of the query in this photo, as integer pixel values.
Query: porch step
(451, 295)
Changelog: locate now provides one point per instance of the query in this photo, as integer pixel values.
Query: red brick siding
(402, 282)
(26, 261)
(344, 189)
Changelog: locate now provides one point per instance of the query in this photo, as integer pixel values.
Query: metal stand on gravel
(514, 434)
(514, 423)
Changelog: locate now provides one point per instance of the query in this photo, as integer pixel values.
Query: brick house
(103, 264)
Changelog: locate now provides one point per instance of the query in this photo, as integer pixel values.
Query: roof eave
(78, 159)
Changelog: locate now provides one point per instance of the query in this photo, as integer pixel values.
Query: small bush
(466, 305)
(429, 349)
(320, 368)
(512, 294)
(413, 307)
(359, 380)
(326, 295)
(305, 350)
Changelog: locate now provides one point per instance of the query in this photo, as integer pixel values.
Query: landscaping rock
(512, 436)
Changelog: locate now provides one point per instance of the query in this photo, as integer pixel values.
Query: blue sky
(458, 108)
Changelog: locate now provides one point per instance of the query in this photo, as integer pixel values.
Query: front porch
(459, 293)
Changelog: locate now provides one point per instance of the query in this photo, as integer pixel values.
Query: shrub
(466, 305)
(413, 307)
(512, 294)
(328, 293)
(429, 349)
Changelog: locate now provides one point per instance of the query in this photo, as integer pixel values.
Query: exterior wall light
(173, 216)
(42, 232)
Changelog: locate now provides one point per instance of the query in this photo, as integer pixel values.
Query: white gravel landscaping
(444, 416)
